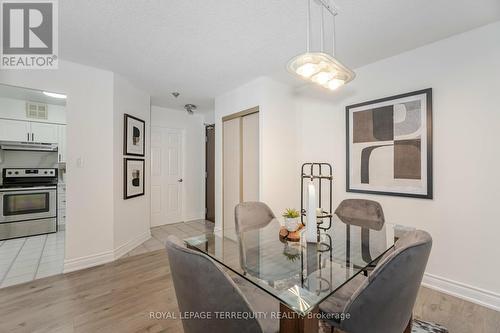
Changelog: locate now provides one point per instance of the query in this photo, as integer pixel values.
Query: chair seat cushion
(260, 302)
(336, 303)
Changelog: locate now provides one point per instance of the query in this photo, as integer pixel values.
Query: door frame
(183, 172)
(240, 115)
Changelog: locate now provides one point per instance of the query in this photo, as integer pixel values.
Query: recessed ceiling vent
(37, 110)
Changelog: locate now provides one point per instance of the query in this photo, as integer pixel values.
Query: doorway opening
(32, 184)
(210, 173)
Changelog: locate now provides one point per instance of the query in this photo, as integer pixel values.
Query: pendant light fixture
(320, 67)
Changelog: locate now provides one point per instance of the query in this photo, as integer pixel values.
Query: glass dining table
(300, 275)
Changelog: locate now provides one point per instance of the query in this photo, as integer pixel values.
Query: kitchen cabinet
(14, 130)
(61, 143)
(44, 132)
(29, 131)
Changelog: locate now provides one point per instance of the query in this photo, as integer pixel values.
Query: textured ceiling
(203, 48)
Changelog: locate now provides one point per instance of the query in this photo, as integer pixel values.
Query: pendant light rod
(322, 30)
(308, 39)
(333, 37)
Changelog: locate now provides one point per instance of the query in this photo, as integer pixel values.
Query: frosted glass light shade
(321, 68)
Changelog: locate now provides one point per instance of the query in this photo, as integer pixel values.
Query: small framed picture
(133, 180)
(133, 136)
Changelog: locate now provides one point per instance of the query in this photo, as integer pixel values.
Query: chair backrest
(202, 287)
(361, 212)
(384, 302)
(252, 215)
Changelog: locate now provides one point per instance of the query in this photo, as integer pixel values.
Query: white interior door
(166, 175)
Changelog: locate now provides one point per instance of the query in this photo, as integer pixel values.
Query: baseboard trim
(71, 265)
(191, 216)
(131, 244)
(469, 293)
(76, 264)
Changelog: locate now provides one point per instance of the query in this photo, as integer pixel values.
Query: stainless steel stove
(28, 202)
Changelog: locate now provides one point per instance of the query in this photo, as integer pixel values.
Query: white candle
(311, 226)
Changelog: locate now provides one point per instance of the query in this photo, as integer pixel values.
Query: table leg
(291, 322)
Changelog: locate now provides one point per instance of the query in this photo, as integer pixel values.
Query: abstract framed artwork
(389, 146)
(133, 180)
(133, 136)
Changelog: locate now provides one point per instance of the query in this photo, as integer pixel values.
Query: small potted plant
(291, 219)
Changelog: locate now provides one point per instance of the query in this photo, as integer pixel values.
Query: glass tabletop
(299, 274)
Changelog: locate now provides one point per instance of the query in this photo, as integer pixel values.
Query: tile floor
(29, 258)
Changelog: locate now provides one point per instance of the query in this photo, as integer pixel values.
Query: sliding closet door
(250, 157)
(231, 169)
(240, 166)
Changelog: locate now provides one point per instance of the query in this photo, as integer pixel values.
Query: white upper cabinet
(14, 130)
(27, 131)
(44, 132)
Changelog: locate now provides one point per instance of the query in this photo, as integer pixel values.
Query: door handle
(180, 180)
(33, 137)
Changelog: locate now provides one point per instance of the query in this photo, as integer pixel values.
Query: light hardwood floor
(119, 296)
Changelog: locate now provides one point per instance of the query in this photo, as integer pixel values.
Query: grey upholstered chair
(383, 301)
(252, 215)
(248, 216)
(361, 212)
(368, 215)
(201, 286)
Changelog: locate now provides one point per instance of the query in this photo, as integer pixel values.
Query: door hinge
(206, 174)
(206, 210)
(206, 138)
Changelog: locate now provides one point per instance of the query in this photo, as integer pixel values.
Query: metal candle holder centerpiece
(320, 173)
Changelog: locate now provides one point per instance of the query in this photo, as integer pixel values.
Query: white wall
(463, 218)
(89, 231)
(279, 172)
(193, 206)
(132, 216)
(16, 109)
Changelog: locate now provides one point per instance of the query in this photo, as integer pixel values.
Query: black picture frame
(126, 118)
(429, 194)
(126, 195)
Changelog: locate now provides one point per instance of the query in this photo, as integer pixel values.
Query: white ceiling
(202, 48)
